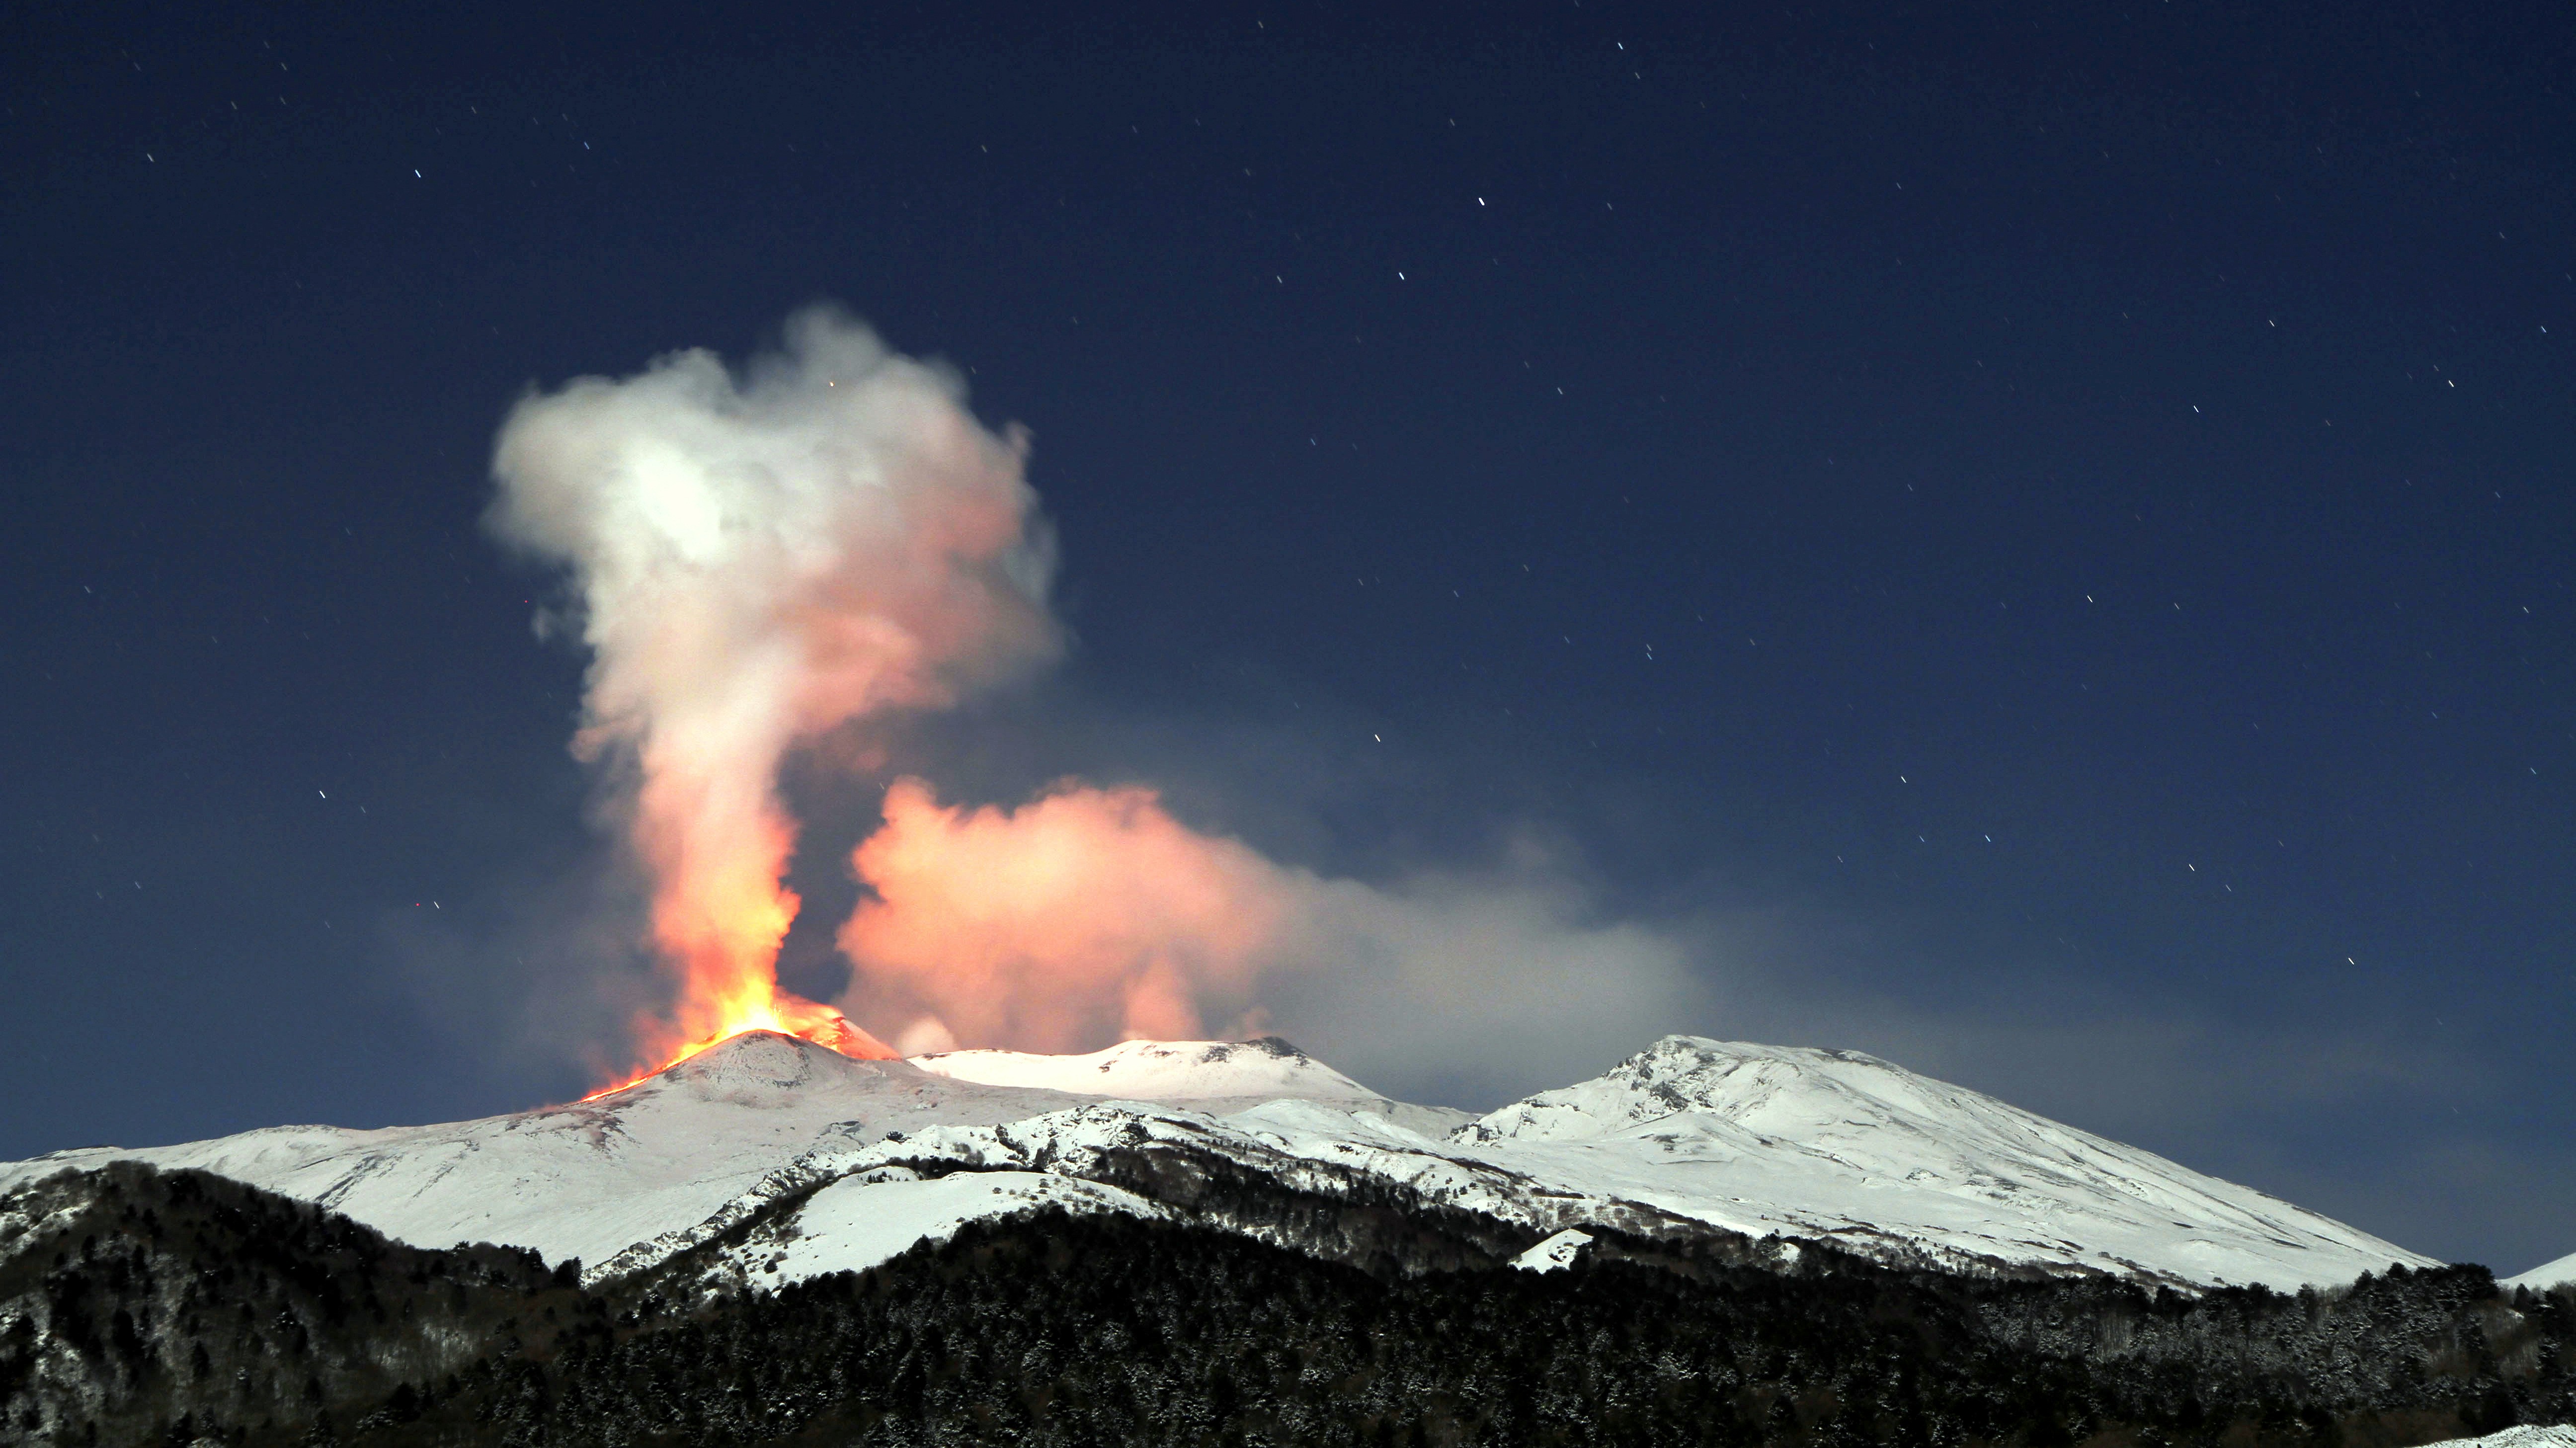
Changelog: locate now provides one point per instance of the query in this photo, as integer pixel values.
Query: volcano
(766, 1158)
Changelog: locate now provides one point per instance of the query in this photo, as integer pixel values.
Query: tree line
(142, 1307)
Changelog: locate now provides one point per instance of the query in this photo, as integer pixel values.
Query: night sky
(2035, 542)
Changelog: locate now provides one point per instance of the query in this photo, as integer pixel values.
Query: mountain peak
(1775, 1090)
(755, 1068)
(2558, 1273)
(1274, 1046)
(1841, 1144)
(1266, 1067)
(1708, 1047)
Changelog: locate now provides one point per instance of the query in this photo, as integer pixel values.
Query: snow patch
(856, 1223)
(2526, 1435)
(1555, 1254)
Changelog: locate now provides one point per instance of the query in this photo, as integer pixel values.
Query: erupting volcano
(718, 919)
(758, 563)
(759, 1006)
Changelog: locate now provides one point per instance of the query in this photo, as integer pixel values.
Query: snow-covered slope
(1849, 1148)
(1319, 1177)
(2527, 1435)
(768, 1158)
(1687, 1136)
(2561, 1273)
(857, 1222)
(589, 1179)
(1216, 1077)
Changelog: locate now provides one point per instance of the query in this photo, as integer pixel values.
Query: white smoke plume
(757, 559)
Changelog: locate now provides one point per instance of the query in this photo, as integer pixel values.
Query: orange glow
(716, 848)
(758, 1006)
(722, 942)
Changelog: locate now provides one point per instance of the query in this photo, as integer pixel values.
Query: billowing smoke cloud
(1090, 914)
(766, 559)
(758, 559)
(1085, 916)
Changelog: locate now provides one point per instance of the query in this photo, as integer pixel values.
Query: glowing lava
(759, 1005)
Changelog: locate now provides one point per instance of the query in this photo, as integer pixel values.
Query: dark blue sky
(2039, 537)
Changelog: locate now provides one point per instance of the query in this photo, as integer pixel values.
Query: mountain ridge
(767, 1140)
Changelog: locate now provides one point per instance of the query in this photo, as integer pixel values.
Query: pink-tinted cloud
(1089, 915)
(1084, 916)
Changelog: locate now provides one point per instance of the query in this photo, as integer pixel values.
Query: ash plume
(757, 559)
(781, 557)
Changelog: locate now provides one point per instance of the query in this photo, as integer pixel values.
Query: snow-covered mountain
(588, 1179)
(766, 1159)
(1848, 1148)
(2560, 1273)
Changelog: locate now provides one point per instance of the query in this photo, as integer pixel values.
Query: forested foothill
(138, 1307)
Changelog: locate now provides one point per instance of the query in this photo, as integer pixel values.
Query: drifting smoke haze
(1091, 914)
(761, 561)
